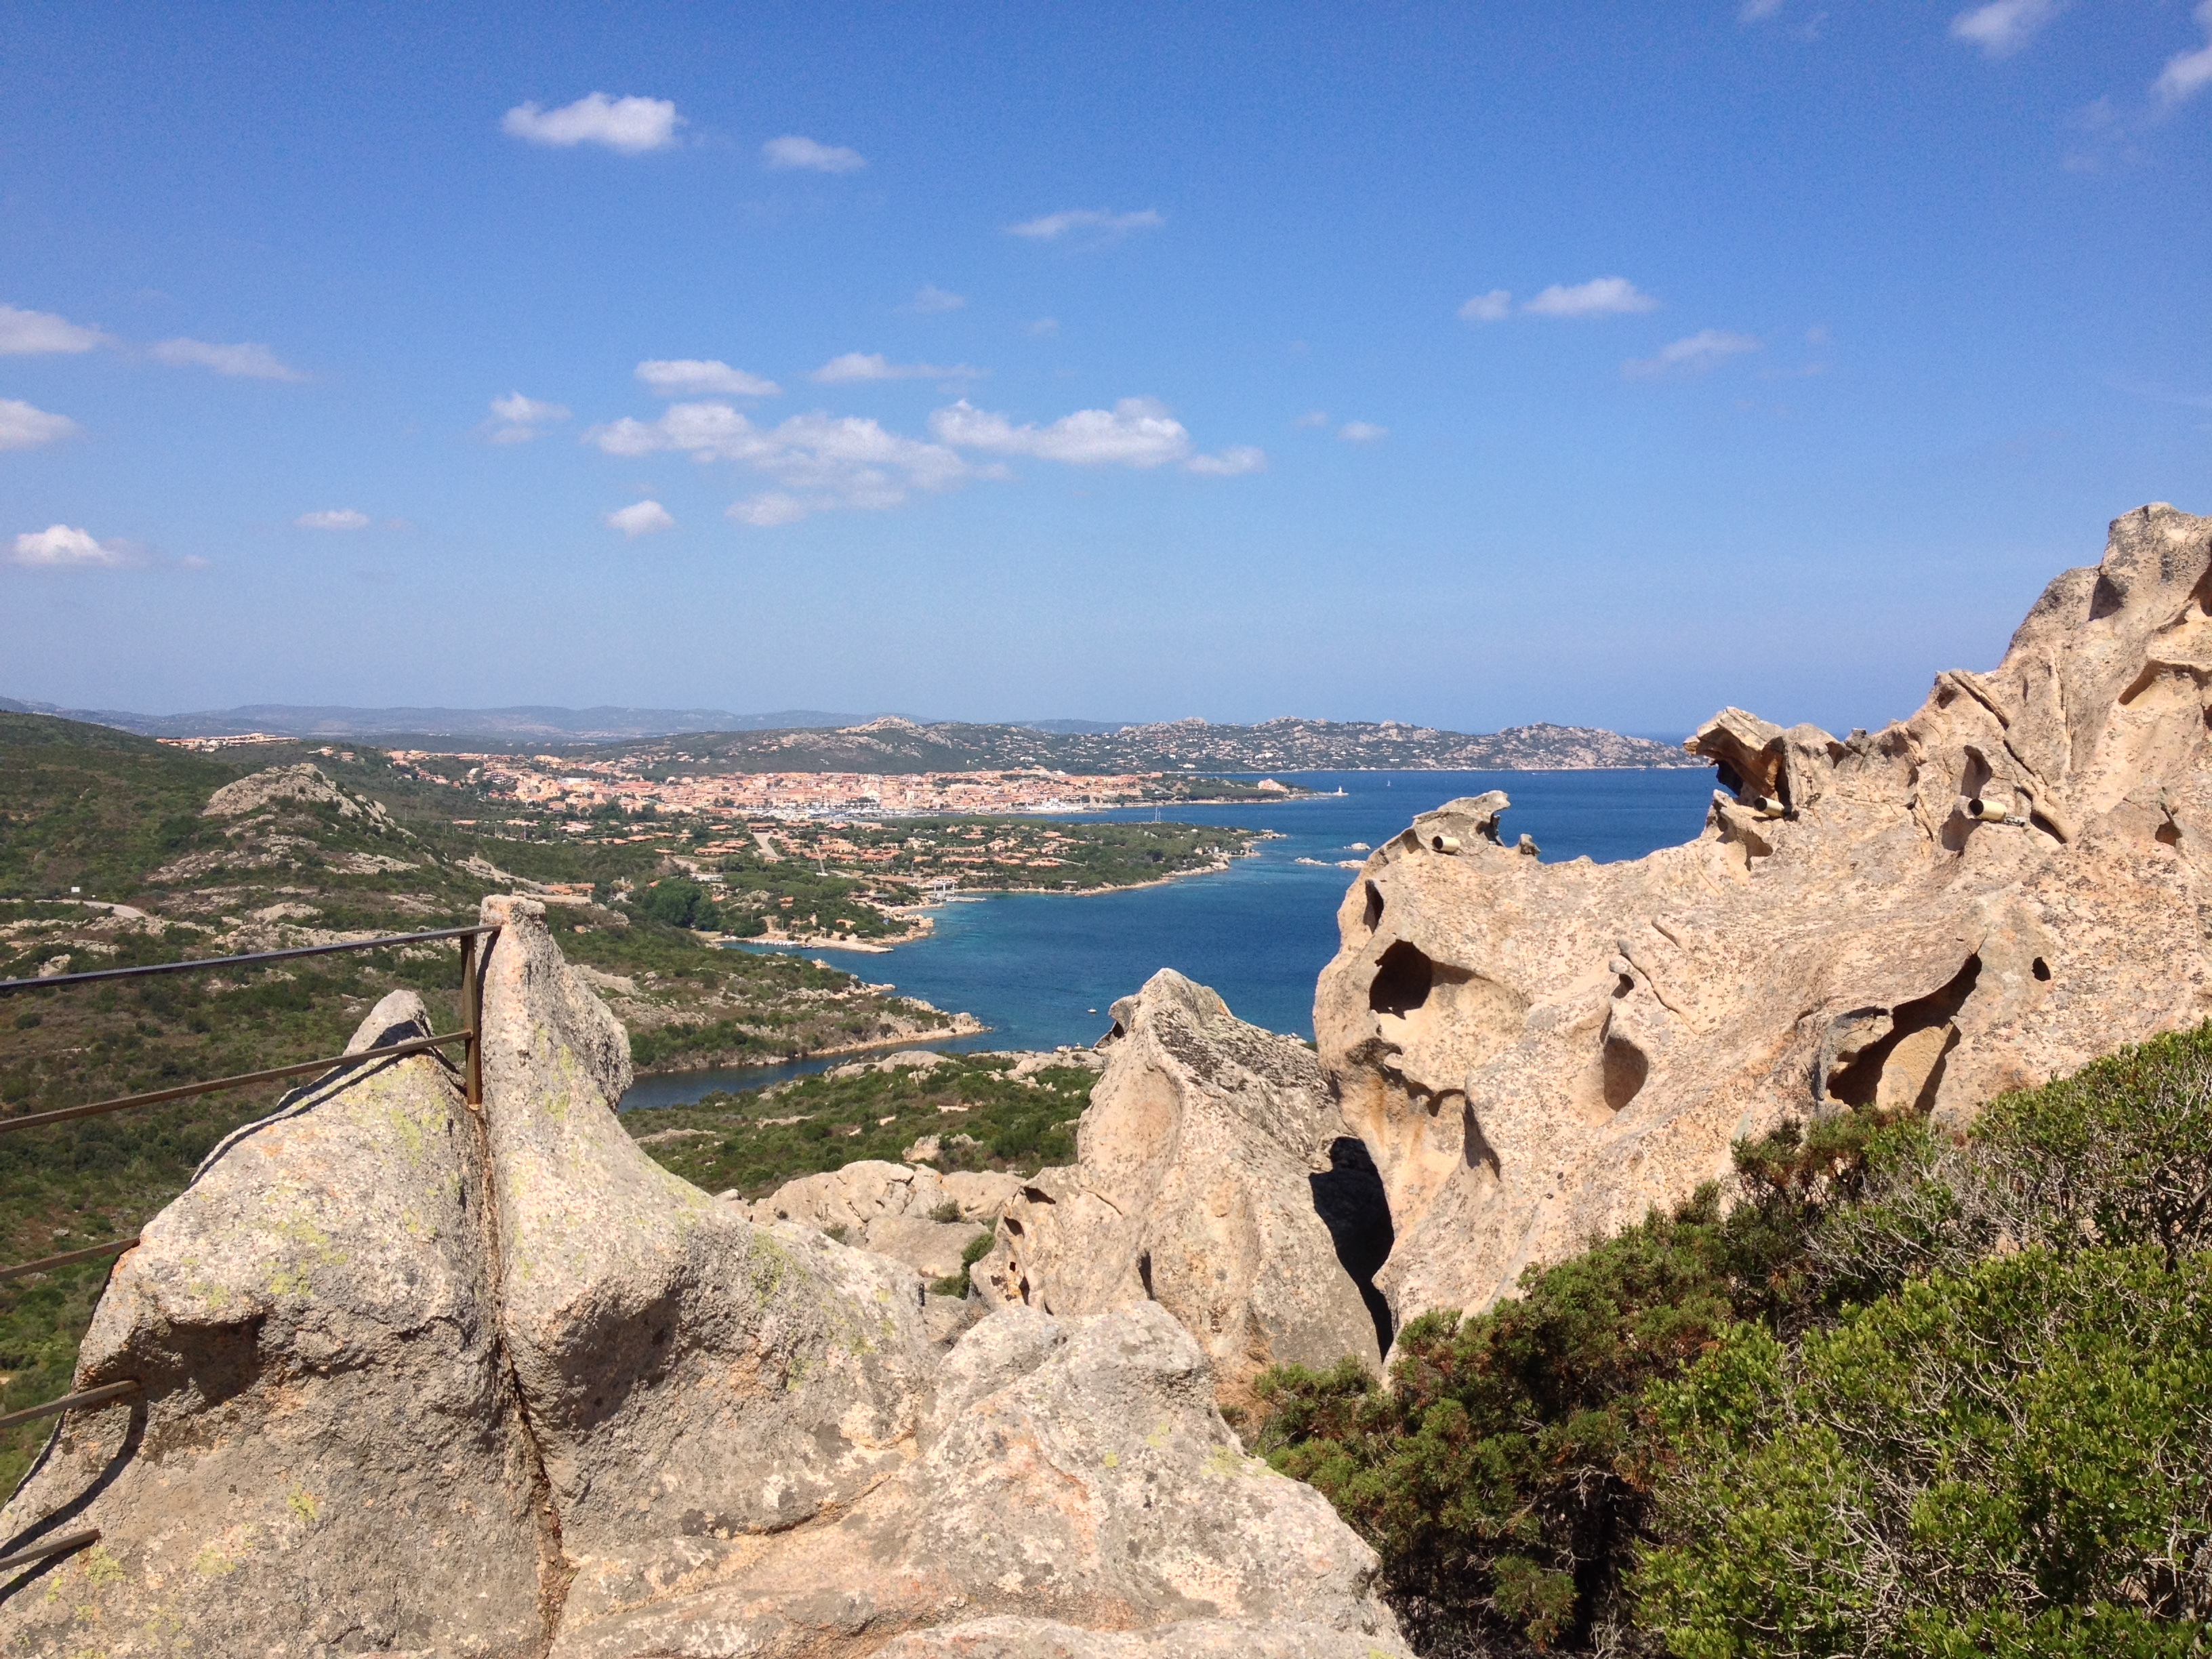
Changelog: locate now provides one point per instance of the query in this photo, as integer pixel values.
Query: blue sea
(1041, 970)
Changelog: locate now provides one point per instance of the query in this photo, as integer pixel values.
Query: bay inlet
(1041, 970)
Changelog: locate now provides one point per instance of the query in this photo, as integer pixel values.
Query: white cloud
(930, 299)
(1044, 328)
(523, 418)
(856, 366)
(817, 461)
(1232, 462)
(2188, 72)
(631, 125)
(1757, 11)
(59, 546)
(336, 518)
(1491, 307)
(28, 333)
(640, 519)
(1602, 296)
(795, 152)
(1311, 419)
(1135, 432)
(22, 427)
(1103, 226)
(1362, 432)
(2002, 26)
(250, 362)
(1694, 355)
(769, 509)
(691, 377)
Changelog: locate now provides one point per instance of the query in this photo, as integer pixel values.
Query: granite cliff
(2011, 882)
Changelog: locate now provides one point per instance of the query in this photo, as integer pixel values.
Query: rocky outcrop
(908, 1212)
(1992, 893)
(329, 1455)
(422, 1379)
(1212, 1176)
(1073, 1473)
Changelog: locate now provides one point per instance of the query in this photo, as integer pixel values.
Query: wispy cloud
(1135, 432)
(858, 366)
(819, 462)
(22, 427)
(1695, 355)
(929, 299)
(640, 519)
(1311, 419)
(1602, 296)
(64, 547)
(520, 419)
(1094, 224)
(1044, 328)
(334, 518)
(1757, 11)
(2188, 72)
(693, 377)
(1494, 307)
(248, 362)
(29, 333)
(2002, 26)
(629, 126)
(1362, 432)
(810, 157)
(1233, 462)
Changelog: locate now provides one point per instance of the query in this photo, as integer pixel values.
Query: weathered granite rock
(1206, 1176)
(1193, 1639)
(307, 784)
(1536, 1054)
(422, 1380)
(893, 1209)
(1074, 1473)
(686, 1373)
(328, 1457)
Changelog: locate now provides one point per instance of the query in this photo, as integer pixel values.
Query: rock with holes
(1072, 1478)
(687, 1373)
(910, 1213)
(327, 1456)
(1994, 891)
(1213, 1175)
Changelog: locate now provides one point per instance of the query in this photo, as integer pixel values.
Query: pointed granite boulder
(688, 1373)
(328, 1455)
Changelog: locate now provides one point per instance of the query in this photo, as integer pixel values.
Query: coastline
(974, 1027)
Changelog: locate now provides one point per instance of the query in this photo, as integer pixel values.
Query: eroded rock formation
(419, 1379)
(2011, 882)
(908, 1212)
(1214, 1176)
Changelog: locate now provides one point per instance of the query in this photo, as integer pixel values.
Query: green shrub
(2017, 1460)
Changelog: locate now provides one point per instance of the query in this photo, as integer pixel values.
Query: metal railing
(473, 1087)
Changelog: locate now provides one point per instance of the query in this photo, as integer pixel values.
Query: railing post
(472, 1023)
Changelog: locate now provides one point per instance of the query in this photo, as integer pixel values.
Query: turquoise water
(1041, 970)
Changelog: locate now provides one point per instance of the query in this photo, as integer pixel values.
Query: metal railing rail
(473, 953)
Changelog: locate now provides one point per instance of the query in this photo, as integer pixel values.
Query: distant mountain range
(529, 723)
(811, 740)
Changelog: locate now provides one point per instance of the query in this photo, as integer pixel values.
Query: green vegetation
(985, 1117)
(1910, 1395)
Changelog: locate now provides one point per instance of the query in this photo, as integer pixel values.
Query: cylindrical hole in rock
(1374, 907)
(2041, 969)
(1625, 1069)
(1402, 981)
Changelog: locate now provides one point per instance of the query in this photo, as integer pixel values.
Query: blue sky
(1467, 364)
